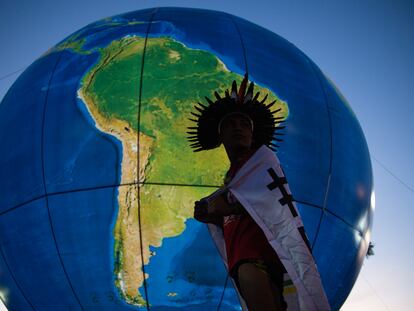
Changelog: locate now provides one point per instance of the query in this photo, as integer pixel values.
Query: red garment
(243, 237)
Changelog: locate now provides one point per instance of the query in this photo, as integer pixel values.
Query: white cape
(263, 195)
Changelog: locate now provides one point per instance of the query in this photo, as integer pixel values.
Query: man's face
(236, 132)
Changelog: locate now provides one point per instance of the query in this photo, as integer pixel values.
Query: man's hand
(219, 206)
(214, 210)
(200, 210)
(202, 214)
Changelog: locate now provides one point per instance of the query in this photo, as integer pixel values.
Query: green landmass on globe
(165, 170)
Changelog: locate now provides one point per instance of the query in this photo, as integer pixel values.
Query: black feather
(234, 87)
(209, 100)
(274, 111)
(199, 109)
(271, 104)
(264, 99)
(204, 106)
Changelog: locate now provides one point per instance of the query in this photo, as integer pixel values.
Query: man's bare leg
(258, 290)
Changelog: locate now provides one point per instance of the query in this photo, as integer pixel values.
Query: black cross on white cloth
(279, 182)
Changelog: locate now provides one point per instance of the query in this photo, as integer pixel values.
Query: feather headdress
(205, 134)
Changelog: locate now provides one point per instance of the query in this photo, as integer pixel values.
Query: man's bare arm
(201, 213)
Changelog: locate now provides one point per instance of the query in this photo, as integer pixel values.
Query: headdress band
(232, 114)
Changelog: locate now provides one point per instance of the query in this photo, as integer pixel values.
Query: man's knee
(257, 288)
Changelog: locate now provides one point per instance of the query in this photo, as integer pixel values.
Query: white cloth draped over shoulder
(261, 187)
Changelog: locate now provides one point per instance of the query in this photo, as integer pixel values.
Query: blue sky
(365, 47)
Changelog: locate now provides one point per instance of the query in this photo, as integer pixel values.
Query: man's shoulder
(264, 154)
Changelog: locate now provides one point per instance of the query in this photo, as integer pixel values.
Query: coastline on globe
(110, 91)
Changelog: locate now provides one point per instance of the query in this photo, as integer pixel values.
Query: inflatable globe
(98, 183)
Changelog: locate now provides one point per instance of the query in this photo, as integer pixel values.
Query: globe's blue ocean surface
(97, 183)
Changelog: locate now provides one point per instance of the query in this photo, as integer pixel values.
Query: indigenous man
(254, 221)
